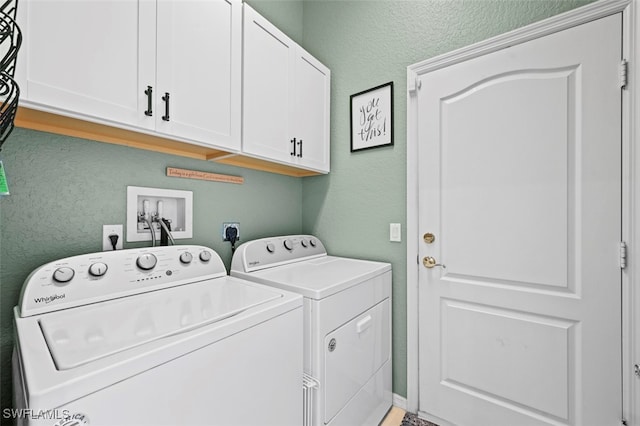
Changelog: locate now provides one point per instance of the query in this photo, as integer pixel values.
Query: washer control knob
(304, 243)
(205, 256)
(271, 248)
(63, 274)
(288, 244)
(146, 261)
(312, 242)
(186, 257)
(98, 269)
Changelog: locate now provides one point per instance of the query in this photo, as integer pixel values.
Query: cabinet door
(311, 111)
(199, 66)
(82, 57)
(267, 98)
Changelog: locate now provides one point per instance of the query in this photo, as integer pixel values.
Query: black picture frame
(371, 118)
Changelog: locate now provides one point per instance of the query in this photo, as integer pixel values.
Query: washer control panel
(96, 277)
(267, 252)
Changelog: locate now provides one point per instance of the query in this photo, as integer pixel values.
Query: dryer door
(354, 352)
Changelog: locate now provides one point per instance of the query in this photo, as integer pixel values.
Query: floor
(394, 417)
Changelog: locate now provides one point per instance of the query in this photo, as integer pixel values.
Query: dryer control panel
(96, 277)
(268, 252)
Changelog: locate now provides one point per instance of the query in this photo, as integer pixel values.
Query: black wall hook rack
(10, 42)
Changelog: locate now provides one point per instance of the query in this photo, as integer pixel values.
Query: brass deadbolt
(429, 238)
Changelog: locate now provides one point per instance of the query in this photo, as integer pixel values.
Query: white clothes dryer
(347, 324)
(155, 336)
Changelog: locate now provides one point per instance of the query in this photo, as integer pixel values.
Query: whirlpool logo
(48, 299)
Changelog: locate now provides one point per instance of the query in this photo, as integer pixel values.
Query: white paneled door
(520, 186)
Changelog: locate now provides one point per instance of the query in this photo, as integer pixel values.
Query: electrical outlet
(226, 225)
(109, 230)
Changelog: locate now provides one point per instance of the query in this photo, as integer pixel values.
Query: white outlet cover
(108, 230)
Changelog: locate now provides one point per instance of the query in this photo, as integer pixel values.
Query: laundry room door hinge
(623, 255)
(415, 84)
(624, 72)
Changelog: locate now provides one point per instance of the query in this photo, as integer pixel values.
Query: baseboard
(399, 401)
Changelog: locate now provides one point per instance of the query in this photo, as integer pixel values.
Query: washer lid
(81, 335)
(320, 277)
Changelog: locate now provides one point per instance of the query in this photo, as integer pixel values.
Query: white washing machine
(347, 324)
(155, 336)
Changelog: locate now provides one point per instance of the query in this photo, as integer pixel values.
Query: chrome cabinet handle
(300, 145)
(149, 93)
(165, 98)
(293, 142)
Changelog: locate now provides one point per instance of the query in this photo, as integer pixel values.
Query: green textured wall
(365, 44)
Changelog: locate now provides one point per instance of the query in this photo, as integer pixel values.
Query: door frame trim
(630, 181)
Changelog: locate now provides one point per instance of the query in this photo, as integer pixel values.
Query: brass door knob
(430, 262)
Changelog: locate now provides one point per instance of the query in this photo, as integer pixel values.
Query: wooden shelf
(265, 166)
(33, 119)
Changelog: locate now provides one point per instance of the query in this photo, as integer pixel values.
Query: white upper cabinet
(286, 98)
(82, 56)
(267, 91)
(199, 66)
(115, 61)
(310, 123)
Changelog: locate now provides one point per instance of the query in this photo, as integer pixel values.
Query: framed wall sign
(372, 118)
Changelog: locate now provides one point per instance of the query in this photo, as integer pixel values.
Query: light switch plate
(395, 232)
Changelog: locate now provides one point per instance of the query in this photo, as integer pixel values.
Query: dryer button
(288, 244)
